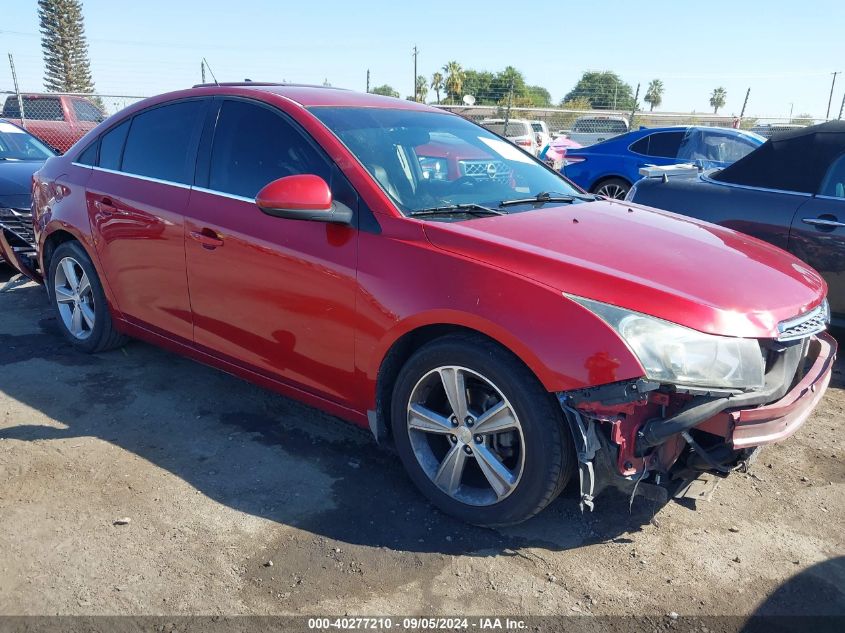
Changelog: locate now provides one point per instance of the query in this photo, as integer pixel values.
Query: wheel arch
(604, 177)
(415, 336)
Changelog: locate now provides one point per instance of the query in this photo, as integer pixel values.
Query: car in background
(444, 158)
(541, 133)
(610, 168)
(554, 154)
(58, 120)
(518, 131)
(503, 334)
(21, 155)
(591, 129)
(790, 192)
(768, 129)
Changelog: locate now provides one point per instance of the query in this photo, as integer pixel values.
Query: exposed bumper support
(14, 258)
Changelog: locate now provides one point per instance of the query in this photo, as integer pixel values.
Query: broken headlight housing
(675, 354)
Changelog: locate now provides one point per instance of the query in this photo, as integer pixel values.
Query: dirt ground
(220, 478)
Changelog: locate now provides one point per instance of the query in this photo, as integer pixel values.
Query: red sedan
(500, 327)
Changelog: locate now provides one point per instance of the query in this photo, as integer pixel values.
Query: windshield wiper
(546, 196)
(469, 207)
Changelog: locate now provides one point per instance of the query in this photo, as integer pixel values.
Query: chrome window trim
(823, 197)
(223, 194)
(181, 185)
(706, 178)
(159, 181)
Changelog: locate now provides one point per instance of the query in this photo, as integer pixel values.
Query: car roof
(311, 96)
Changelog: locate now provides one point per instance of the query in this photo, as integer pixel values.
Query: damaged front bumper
(651, 439)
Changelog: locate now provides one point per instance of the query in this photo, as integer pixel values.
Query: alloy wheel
(465, 435)
(74, 298)
(612, 190)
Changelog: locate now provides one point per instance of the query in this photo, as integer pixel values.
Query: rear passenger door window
(161, 143)
(254, 145)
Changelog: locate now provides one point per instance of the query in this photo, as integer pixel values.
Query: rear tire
(509, 457)
(615, 188)
(80, 303)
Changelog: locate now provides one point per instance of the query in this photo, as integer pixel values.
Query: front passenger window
(253, 146)
(834, 182)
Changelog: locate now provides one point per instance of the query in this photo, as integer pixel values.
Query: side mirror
(302, 197)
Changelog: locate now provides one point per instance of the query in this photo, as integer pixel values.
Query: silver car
(517, 131)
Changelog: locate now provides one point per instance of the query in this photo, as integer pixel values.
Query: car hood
(700, 275)
(16, 178)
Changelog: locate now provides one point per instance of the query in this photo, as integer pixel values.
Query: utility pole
(508, 111)
(830, 100)
(416, 52)
(17, 90)
(790, 111)
(745, 105)
(634, 108)
(368, 79)
(842, 107)
(202, 70)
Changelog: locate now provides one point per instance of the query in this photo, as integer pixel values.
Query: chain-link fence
(60, 119)
(606, 123)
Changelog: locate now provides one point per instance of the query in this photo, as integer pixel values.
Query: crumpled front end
(17, 242)
(651, 438)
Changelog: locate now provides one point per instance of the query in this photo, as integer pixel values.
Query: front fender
(565, 345)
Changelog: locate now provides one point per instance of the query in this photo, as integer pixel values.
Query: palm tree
(421, 88)
(654, 94)
(454, 79)
(437, 84)
(717, 99)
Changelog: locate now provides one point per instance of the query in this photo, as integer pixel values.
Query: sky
(784, 51)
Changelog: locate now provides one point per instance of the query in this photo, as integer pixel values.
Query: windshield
(17, 144)
(432, 159)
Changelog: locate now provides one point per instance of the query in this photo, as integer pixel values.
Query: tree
(422, 88)
(805, 118)
(385, 90)
(479, 84)
(539, 96)
(454, 80)
(579, 103)
(717, 99)
(604, 90)
(437, 84)
(67, 68)
(654, 94)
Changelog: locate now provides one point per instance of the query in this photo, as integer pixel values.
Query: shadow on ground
(253, 450)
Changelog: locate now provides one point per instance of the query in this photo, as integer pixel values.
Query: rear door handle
(823, 222)
(208, 238)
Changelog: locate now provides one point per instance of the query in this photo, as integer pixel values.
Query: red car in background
(58, 120)
(502, 332)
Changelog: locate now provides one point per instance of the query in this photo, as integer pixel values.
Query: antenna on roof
(216, 83)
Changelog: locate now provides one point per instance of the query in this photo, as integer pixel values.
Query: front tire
(80, 303)
(477, 432)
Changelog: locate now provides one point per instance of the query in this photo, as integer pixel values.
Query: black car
(21, 155)
(790, 192)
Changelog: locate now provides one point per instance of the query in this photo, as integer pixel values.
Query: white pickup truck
(592, 129)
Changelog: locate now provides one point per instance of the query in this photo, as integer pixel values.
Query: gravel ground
(239, 501)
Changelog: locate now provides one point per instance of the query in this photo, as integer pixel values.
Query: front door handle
(208, 238)
(822, 222)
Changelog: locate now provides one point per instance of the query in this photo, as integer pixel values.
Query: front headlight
(672, 353)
